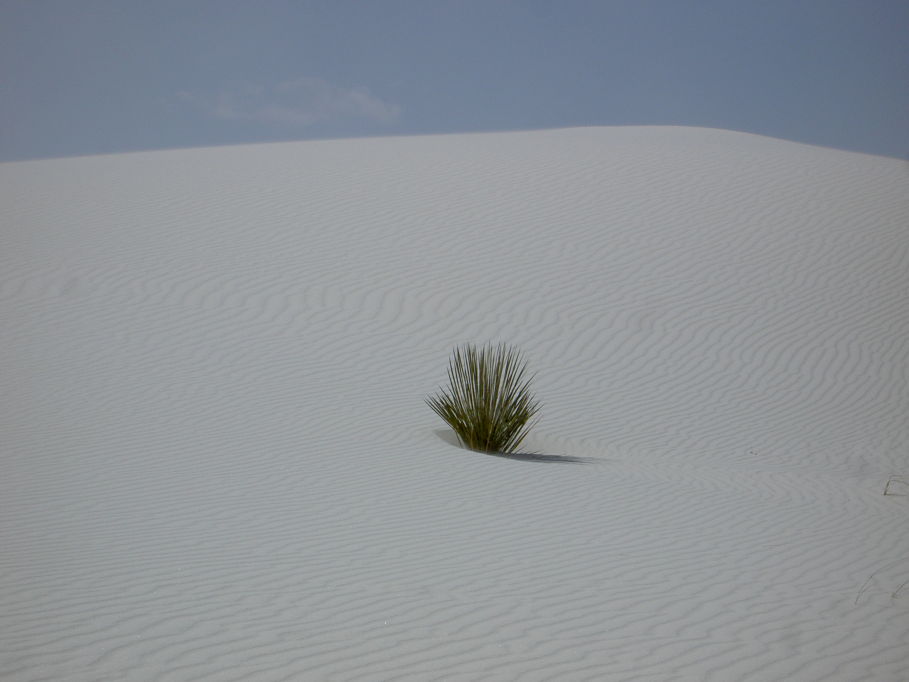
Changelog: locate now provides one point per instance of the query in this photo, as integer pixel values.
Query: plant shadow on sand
(450, 438)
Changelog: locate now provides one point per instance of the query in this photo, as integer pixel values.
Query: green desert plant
(489, 404)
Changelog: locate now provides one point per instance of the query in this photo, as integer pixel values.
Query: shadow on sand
(450, 438)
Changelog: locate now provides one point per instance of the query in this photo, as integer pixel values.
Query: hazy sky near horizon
(102, 76)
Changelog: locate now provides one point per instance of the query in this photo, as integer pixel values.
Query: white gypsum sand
(217, 463)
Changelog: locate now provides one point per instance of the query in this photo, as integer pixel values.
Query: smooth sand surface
(216, 462)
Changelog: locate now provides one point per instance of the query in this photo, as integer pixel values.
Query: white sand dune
(217, 463)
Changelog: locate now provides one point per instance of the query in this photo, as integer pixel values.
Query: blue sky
(92, 76)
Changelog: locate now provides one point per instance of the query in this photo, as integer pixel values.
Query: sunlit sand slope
(216, 462)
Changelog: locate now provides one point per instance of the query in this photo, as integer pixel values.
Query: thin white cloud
(297, 103)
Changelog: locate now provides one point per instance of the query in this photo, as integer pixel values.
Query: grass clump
(488, 404)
